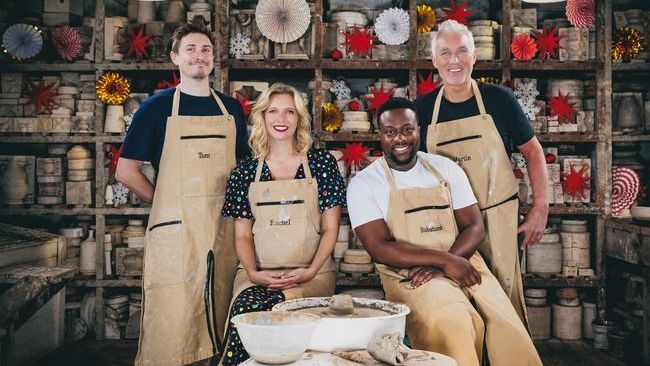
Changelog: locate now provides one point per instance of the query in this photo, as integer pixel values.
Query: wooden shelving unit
(504, 67)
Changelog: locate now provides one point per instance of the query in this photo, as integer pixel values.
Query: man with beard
(417, 217)
(192, 135)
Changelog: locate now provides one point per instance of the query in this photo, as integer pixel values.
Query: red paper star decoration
(458, 14)
(137, 43)
(547, 42)
(41, 96)
(359, 42)
(523, 47)
(115, 158)
(426, 85)
(379, 97)
(561, 108)
(246, 104)
(164, 84)
(353, 153)
(575, 182)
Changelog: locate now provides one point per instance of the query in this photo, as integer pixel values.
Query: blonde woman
(286, 201)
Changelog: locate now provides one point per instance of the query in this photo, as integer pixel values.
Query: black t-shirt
(146, 135)
(500, 103)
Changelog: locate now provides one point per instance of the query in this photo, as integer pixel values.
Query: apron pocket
(204, 165)
(164, 254)
(431, 226)
(281, 240)
(465, 138)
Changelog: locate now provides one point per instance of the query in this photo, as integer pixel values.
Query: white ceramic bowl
(348, 334)
(277, 337)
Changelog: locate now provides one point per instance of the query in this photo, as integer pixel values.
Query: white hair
(452, 26)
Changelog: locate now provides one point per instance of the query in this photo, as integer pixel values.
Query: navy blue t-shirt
(500, 103)
(146, 135)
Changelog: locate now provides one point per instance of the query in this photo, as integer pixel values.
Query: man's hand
(273, 280)
(421, 275)
(461, 271)
(534, 224)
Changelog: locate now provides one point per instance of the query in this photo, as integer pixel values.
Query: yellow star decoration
(332, 117)
(426, 18)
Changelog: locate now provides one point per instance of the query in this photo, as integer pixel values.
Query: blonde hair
(258, 140)
(452, 26)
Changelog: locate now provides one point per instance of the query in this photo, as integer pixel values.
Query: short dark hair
(196, 25)
(397, 103)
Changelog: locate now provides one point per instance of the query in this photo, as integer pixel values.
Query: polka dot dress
(256, 298)
(331, 187)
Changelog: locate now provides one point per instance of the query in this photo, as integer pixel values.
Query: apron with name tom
(181, 318)
(475, 144)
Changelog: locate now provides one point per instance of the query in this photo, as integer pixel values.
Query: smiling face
(400, 137)
(454, 57)
(281, 117)
(195, 56)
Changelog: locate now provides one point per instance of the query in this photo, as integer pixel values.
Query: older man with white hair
(477, 125)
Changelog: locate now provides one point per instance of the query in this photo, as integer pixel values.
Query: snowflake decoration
(41, 96)
(561, 108)
(458, 14)
(392, 26)
(137, 43)
(426, 85)
(341, 91)
(120, 194)
(547, 42)
(359, 42)
(378, 98)
(526, 93)
(128, 119)
(240, 45)
(575, 182)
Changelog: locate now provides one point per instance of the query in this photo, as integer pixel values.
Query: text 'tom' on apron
(442, 319)
(185, 227)
(475, 144)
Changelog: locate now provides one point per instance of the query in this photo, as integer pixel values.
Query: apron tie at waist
(514, 196)
(210, 311)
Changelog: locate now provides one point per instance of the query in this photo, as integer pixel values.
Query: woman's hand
(298, 276)
(272, 279)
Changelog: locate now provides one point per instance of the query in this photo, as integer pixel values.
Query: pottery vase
(88, 254)
(175, 12)
(627, 116)
(14, 181)
(114, 122)
(146, 11)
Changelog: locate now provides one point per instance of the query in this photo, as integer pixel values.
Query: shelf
(47, 67)
(631, 66)
(106, 283)
(571, 137)
(134, 66)
(539, 65)
(587, 209)
(272, 64)
(375, 65)
(531, 280)
(630, 138)
(347, 136)
(63, 211)
(60, 138)
(638, 227)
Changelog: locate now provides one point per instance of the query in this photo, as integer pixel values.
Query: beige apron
(475, 144)
(286, 231)
(442, 318)
(185, 224)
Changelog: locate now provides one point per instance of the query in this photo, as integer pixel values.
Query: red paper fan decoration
(246, 104)
(426, 85)
(359, 42)
(625, 189)
(115, 157)
(67, 42)
(41, 96)
(137, 43)
(458, 14)
(336, 55)
(164, 84)
(547, 42)
(575, 182)
(581, 13)
(353, 153)
(355, 105)
(523, 47)
(379, 97)
(561, 108)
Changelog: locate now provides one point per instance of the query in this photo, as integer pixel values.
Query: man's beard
(406, 161)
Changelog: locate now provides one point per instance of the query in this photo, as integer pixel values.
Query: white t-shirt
(368, 191)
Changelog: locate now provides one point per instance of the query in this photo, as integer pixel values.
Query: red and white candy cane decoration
(625, 188)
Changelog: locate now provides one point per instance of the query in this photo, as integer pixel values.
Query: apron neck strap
(436, 106)
(177, 98)
(391, 178)
(304, 163)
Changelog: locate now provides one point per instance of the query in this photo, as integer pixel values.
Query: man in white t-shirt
(417, 216)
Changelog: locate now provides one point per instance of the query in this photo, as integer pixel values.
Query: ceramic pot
(627, 116)
(14, 181)
(88, 254)
(146, 11)
(114, 122)
(175, 12)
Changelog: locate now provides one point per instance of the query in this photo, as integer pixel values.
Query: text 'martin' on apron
(442, 319)
(185, 226)
(475, 144)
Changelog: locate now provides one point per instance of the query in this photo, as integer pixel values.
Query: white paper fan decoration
(22, 41)
(282, 21)
(392, 26)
